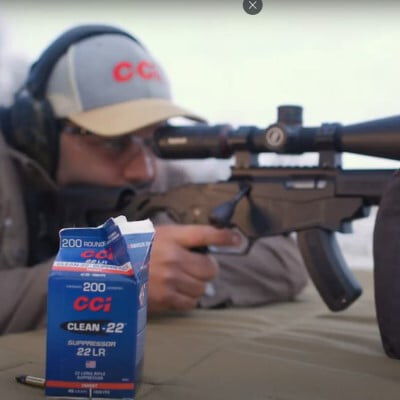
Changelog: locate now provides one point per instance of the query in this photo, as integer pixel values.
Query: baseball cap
(110, 84)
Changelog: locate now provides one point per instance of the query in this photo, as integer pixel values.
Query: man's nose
(139, 165)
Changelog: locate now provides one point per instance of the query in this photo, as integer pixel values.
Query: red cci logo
(99, 255)
(125, 71)
(96, 304)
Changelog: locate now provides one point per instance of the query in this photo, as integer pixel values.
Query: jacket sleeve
(23, 294)
(272, 271)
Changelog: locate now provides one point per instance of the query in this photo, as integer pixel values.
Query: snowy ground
(357, 247)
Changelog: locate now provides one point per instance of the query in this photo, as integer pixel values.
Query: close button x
(252, 7)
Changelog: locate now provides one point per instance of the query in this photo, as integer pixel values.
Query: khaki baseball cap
(110, 85)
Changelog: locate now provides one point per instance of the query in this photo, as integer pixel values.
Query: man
(83, 116)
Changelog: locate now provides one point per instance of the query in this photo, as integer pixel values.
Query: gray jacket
(272, 271)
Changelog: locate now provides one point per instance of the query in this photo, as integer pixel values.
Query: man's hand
(178, 275)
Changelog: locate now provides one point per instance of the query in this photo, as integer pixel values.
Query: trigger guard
(243, 248)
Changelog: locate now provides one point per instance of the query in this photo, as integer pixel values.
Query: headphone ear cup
(35, 130)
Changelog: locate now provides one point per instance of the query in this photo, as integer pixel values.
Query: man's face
(96, 160)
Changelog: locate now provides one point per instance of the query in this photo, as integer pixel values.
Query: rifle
(260, 201)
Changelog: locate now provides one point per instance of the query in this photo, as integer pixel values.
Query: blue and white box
(97, 306)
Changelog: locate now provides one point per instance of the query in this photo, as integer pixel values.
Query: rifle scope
(379, 138)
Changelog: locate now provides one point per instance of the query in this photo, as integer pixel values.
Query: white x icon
(252, 5)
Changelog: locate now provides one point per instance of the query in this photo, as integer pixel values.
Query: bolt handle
(221, 215)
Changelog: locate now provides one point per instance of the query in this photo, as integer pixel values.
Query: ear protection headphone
(35, 130)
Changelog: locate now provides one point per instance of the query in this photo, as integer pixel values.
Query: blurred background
(339, 60)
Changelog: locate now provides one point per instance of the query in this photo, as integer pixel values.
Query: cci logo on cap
(124, 71)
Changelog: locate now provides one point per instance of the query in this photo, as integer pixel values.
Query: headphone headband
(41, 69)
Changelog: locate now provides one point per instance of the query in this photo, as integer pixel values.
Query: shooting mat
(290, 351)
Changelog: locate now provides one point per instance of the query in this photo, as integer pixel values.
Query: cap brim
(129, 116)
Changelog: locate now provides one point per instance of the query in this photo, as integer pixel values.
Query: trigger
(241, 248)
